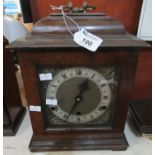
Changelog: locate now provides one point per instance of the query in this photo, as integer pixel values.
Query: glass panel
(78, 96)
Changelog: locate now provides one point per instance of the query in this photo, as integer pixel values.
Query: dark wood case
(51, 44)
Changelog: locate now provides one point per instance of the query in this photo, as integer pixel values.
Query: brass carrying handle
(83, 9)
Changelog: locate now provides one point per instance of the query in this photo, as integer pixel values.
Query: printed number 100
(87, 42)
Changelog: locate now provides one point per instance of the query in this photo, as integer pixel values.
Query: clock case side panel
(125, 91)
(29, 78)
(127, 59)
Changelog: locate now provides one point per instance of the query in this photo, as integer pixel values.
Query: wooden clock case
(51, 44)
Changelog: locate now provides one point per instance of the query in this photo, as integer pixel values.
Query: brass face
(82, 95)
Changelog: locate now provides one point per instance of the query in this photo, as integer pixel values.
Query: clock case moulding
(51, 44)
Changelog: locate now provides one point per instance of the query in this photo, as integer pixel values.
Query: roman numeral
(102, 108)
(54, 85)
(91, 116)
(58, 81)
(78, 119)
(98, 80)
(105, 97)
(103, 85)
(64, 76)
(78, 72)
(65, 115)
(93, 76)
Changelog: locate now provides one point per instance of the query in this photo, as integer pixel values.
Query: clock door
(78, 96)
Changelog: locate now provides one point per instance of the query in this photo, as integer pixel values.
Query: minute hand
(83, 86)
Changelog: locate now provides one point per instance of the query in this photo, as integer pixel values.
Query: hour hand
(77, 100)
(83, 87)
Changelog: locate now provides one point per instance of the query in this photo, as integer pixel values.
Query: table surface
(18, 145)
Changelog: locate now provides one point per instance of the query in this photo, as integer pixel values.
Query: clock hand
(77, 100)
(83, 86)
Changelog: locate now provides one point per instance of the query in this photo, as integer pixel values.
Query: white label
(48, 76)
(45, 76)
(35, 108)
(42, 77)
(87, 40)
(52, 102)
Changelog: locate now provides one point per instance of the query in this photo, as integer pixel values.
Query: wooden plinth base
(42, 144)
(11, 129)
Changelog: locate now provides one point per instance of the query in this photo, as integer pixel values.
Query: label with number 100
(87, 42)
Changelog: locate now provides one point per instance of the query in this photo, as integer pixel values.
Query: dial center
(78, 99)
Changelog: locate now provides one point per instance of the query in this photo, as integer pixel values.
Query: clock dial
(82, 95)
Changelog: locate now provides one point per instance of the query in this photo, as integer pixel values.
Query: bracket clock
(78, 100)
